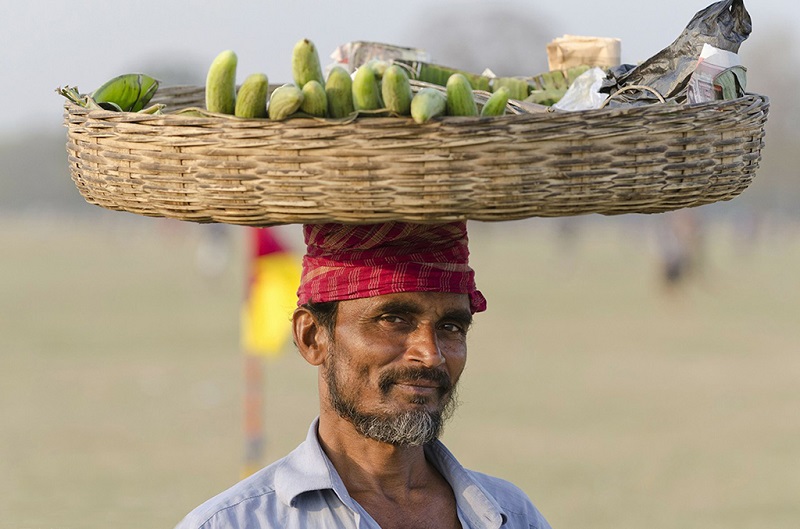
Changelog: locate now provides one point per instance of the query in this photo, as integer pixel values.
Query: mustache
(415, 374)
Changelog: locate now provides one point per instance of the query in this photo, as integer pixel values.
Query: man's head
(391, 363)
(384, 311)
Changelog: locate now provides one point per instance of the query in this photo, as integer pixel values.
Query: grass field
(611, 402)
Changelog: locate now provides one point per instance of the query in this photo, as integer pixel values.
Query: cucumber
(428, 104)
(251, 100)
(284, 102)
(305, 64)
(366, 90)
(438, 74)
(221, 83)
(460, 101)
(378, 66)
(396, 90)
(517, 88)
(496, 104)
(339, 92)
(315, 102)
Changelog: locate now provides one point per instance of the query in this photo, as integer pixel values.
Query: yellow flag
(271, 298)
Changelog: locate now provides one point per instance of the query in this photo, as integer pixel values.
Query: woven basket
(609, 161)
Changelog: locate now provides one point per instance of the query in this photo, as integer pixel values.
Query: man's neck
(369, 466)
(396, 485)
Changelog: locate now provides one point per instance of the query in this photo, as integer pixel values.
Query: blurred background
(636, 371)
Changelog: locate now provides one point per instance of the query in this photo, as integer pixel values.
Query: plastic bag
(724, 25)
(584, 92)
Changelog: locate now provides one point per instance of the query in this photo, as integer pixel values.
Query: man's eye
(454, 327)
(392, 318)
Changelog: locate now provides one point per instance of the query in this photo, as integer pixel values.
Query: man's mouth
(419, 386)
(423, 382)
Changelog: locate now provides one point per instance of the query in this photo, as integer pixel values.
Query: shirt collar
(307, 469)
(476, 504)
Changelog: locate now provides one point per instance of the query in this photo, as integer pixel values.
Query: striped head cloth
(358, 261)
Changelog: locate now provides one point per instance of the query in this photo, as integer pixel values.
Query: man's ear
(311, 338)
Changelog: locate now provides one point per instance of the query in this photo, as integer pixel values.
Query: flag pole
(254, 441)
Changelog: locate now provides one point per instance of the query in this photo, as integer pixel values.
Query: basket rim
(645, 109)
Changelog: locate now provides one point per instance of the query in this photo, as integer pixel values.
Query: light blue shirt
(304, 491)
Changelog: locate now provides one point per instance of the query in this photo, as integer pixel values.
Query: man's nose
(423, 346)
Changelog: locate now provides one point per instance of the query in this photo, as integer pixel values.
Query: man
(383, 312)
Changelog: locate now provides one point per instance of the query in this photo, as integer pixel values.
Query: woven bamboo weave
(255, 172)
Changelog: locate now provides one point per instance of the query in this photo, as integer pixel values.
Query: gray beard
(408, 428)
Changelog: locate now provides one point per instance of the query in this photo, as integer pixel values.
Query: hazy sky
(52, 43)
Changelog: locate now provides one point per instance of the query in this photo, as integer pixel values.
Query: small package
(718, 75)
(573, 50)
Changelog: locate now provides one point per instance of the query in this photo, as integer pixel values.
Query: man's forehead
(440, 303)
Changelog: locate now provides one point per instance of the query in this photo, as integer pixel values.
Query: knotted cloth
(357, 261)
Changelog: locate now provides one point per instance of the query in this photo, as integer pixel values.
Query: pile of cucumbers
(376, 87)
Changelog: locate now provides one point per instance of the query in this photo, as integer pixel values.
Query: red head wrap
(358, 261)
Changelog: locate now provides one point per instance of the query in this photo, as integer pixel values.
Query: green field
(612, 402)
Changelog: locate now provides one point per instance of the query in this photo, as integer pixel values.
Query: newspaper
(353, 54)
(713, 63)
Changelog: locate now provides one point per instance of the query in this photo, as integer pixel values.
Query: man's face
(394, 363)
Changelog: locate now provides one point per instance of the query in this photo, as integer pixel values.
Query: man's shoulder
(255, 493)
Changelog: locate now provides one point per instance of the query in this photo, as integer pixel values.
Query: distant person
(213, 250)
(680, 241)
(383, 313)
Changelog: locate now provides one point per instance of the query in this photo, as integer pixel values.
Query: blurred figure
(680, 243)
(213, 250)
(567, 232)
(747, 226)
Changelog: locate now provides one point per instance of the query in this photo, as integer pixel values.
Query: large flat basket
(258, 172)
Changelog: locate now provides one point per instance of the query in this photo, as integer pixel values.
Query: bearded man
(383, 313)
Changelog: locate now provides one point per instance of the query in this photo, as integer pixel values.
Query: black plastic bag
(724, 25)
